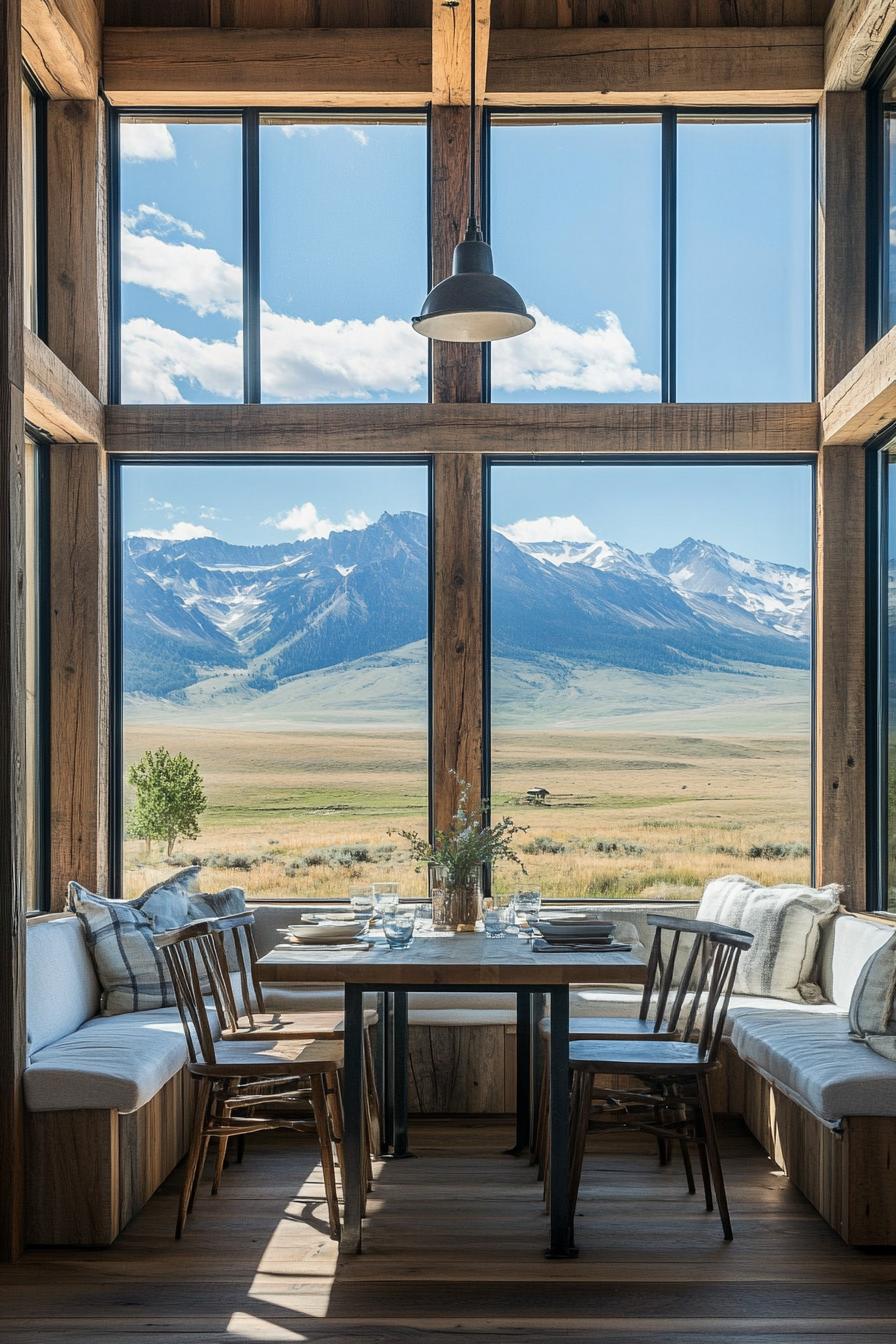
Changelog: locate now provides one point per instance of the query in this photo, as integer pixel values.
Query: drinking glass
(496, 919)
(361, 900)
(398, 926)
(385, 897)
(526, 905)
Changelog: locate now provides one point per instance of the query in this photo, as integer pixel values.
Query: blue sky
(575, 225)
(761, 512)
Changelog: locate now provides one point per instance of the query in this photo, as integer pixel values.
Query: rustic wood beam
(579, 66)
(13, 1037)
(392, 67)
(77, 668)
(840, 727)
(840, 236)
(854, 33)
(456, 367)
(56, 402)
(864, 401)
(77, 306)
(457, 640)
(62, 41)
(451, 50)
(645, 429)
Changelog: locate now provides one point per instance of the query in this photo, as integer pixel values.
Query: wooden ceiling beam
(392, 67)
(55, 401)
(864, 402)
(451, 50)
(62, 42)
(854, 33)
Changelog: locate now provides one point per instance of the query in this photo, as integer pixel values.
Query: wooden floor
(454, 1250)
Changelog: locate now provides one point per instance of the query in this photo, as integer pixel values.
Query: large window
(272, 257)
(274, 632)
(650, 672)
(882, 707)
(664, 256)
(34, 202)
(882, 195)
(35, 681)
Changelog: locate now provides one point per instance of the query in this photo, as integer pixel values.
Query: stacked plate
(575, 928)
(326, 930)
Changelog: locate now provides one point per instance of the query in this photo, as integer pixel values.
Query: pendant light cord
(473, 229)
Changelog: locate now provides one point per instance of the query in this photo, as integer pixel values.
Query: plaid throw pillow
(129, 966)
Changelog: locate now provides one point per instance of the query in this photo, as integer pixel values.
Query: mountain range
(254, 617)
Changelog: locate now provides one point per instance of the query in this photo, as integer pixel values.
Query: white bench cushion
(846, 944)
(110, 1063)
(811, 1057)
(61, 988)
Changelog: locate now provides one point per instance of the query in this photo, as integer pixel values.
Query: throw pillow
(871, 1009)
(130, 968)
(786, 923)
(214, 905)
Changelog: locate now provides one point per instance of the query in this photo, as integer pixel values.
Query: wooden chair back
(713, 988)
(666, 998)
(193, 957)
(236, 933)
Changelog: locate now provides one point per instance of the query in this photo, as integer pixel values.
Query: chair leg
(712, 1155)
(541, 1119)
(219, 1164)
(198, 1144)
(580, 1113)
(322, 1125)
(374, 1113)
(240, 1148)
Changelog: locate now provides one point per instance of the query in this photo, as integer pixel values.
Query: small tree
(169, 798)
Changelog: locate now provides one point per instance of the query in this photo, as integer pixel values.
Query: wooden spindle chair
(675, 1103)
(657, 1019)
(243, 1085)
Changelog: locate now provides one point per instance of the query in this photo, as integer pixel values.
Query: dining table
(437, 961)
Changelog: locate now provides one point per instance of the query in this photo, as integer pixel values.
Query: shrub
(241, 862)
(627, 847)
(789, 849)
(543, 844)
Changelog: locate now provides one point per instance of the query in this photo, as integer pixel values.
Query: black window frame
(41, 262)
(40, 800)
(646, 460)
(877, 716)
(250, 119)
(877, 195)
(668, 119)
(120, 461)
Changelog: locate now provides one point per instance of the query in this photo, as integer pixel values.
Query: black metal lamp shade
(473, 304)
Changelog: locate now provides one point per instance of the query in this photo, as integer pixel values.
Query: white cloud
(554, 356)
(306, 522)
(179, 532)
(151, 217)
(155, 358)
(196, 276)
(144, 140)
(553, 528)
(305, 129)
(307, 361)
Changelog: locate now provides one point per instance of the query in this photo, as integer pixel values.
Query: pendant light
(473, 304)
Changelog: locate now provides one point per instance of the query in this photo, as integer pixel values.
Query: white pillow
(786, 923)
(871, 1010)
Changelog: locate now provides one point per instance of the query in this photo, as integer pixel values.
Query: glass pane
(33, 718)
(650, 671)
(890, 598)
(889, 232)
(744, 271)
(275, 632)
(29, 204)
(343, 236)
(181, 260)
(575, 221)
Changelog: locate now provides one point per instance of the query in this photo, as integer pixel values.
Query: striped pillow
(786, 923)
(129, 966)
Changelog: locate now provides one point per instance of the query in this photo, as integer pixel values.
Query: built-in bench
(108, 1098)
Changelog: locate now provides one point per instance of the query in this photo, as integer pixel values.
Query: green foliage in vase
(468, 844)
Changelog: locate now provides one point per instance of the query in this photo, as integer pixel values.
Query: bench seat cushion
(811, 1057)
(110, 1063)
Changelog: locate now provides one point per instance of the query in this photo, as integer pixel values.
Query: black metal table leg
(354, 1139)
(383, 1068)
(562, 1244)
(400, 1073)
(523, 1073)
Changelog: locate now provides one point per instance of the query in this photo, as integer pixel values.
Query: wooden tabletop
(449, 959)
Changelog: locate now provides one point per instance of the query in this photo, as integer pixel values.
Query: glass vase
(455, 909)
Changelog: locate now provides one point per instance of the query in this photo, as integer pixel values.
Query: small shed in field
(537, 795)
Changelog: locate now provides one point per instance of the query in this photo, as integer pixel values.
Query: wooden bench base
(90, 1172)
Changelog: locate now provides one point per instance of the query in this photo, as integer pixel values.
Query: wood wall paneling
(62, 41)
(13, 1045)
(841, 236)
(77, 304)
(78, 692)
(840, 812)
(854, 33)
(457, 643)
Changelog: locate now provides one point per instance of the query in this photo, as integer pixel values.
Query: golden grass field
(630, 815)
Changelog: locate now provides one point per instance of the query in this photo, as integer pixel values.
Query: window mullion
(251, 262)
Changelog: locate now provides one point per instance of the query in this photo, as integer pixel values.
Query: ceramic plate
(337, 931)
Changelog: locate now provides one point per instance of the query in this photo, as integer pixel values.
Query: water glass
(496, 918)
(398, 926)
(385, 897)
(526, 905)
(361, 900)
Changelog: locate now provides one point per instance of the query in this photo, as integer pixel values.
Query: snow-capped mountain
(264, 614)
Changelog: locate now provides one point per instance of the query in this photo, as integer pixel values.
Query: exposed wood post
(12, 644)
(854, 33)
(76, 240)
(840, 842)
(78, 668)
(841, 236)
(456, 368)
(457, 651)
